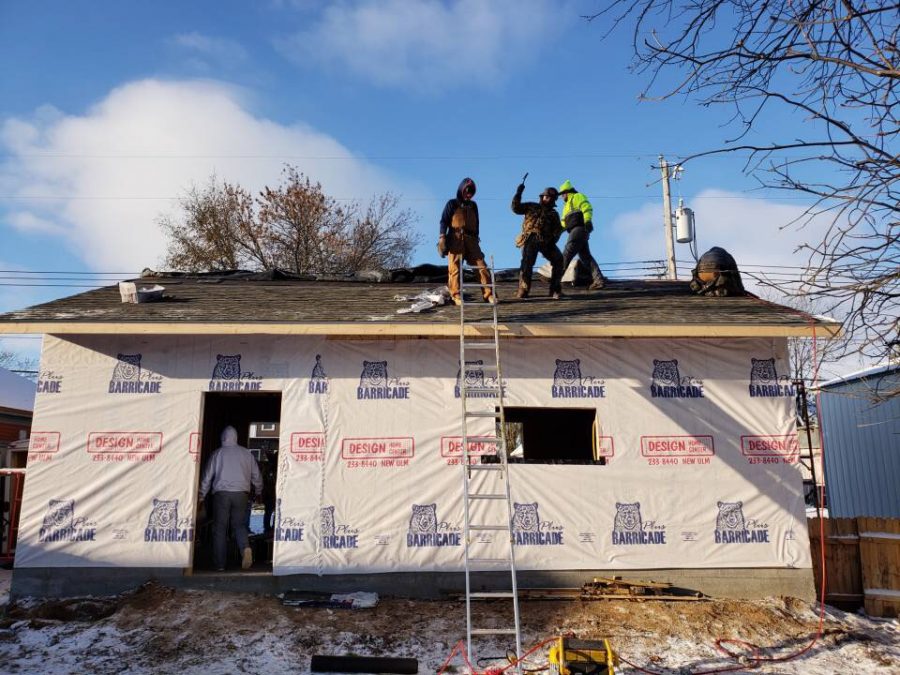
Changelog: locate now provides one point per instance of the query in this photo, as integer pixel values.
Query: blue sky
(109, 111)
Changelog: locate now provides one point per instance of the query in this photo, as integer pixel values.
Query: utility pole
(672, 272)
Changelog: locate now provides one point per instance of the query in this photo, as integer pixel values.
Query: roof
(16, 392)
(267, 304)
(861, 375)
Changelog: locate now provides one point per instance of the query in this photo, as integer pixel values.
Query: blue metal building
(860, 415)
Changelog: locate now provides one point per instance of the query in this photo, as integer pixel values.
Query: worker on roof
(577, 219)
(541, 230)
(230, 474)
(459, 240)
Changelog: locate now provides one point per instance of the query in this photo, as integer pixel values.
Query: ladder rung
(486, 366)
(479, 345)
(473, 284)
(482, 413)
(486, 467)
(483, 439)
(488, 561)
(502, 528)
(493, 631)
(491, 594)
(487, 495)
(480, 390)
(480, 324)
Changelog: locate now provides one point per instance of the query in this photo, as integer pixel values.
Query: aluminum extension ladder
(485, 483)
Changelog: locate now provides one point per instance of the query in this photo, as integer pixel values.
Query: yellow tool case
(571, 656)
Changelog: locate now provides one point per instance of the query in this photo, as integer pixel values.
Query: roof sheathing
(624, 309)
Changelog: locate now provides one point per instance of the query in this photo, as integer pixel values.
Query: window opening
(552, 435)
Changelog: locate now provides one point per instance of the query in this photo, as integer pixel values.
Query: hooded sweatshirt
(231, 468)
(468, 207)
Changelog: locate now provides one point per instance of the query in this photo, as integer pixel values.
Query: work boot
(247, 559)
(555, 295)
(491, 299)
(597, 285)
(521, 294)
(457, 300)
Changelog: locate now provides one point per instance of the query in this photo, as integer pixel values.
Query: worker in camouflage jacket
(577, 219)
(459, 240)
(541, 230)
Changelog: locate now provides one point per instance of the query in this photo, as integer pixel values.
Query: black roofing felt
(262, 299)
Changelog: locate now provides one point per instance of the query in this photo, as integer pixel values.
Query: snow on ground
(161, 630)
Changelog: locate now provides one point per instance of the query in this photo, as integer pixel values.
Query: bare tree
(24, 365)
(211, 233)
(294, 226)
(835, 62)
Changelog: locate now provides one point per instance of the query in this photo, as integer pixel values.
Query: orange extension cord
(755, 659)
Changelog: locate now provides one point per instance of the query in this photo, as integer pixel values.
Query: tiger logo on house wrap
(568, 382)
(567, 373)
(60, 514)
(334, 535)
(129, 378)
(318, 381)
(163, 524)
(765, 381)
(374, 383)
(423, 519)
(630, 528)
(526, 518)
(425, 530)
(628, 518)
(327, 521)
(287, 529)
(529, 530)
(227, 375)
(128, 368)
(60, 523)
(474, 374)
(164, 513)
(228, 367)
(666, 381)
(733, 528)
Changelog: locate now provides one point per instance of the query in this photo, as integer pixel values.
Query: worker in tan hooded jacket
(459, 239)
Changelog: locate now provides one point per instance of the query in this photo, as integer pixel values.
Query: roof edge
(427, 330)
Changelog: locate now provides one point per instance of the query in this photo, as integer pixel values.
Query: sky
(111, 110)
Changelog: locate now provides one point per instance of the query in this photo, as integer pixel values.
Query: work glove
(589, 226)
(442, 246)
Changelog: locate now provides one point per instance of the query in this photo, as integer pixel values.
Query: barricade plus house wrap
(650, 429)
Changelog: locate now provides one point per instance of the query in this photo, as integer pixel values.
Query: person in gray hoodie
(229, 475)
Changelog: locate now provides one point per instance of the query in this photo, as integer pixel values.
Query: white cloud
(222, 51)
(27, 222)
(757, 232)
(103, 178)
(428, 44)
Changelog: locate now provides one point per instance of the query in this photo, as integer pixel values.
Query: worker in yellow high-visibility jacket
(577, 219)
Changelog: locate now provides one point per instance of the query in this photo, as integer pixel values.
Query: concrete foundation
(57, 582)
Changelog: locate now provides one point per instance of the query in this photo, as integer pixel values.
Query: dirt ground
(161, 630)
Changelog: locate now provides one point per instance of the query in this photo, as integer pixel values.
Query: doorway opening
(256, 417)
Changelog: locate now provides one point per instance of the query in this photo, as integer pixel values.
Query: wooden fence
(862, 563)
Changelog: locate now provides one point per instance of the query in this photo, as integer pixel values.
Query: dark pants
(228, 507)
(533, 245)
(577, 244)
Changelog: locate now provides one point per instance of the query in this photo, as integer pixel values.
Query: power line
(601, 197)
(65, 272)
(353, 158)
